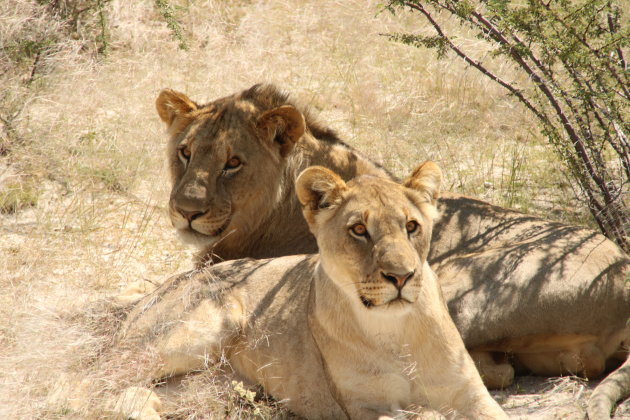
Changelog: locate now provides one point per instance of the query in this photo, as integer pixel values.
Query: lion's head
(226, 160)
(373, 234)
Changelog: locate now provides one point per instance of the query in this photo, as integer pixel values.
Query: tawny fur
(300, 325)
(513, 283)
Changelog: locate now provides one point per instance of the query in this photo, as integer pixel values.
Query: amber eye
(233, 163)
(411, 226)
(184, 152)
(359, 229)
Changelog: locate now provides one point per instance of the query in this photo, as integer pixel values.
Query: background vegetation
(573, 57)
(82, 176)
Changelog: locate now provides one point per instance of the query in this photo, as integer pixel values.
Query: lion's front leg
(185, 344)
(199, 340)
(372, 396)
(450, 378)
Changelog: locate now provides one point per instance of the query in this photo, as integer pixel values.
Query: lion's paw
(138, 404)
(133, 292)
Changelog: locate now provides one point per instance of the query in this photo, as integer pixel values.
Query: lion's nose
(398, 280)
(190, 215)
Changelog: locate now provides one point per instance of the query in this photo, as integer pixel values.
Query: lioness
(551, 294)
(359, 331)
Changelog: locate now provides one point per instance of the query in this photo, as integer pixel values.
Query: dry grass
(82, 182)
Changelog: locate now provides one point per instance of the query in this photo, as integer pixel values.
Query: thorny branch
(579, 101)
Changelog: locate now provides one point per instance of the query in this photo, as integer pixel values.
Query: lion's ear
(282, 127)
(317, 189)
(171, 104)
(426, 179)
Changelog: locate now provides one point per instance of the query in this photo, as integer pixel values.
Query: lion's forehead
(379, 208)
(379, 195)
(219, 127)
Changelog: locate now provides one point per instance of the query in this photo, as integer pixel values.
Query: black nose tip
(190, 215)
(398, 280)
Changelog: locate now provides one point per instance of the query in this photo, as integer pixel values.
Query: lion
(515, 284)
(359, 330)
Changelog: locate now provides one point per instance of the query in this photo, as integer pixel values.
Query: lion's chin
(396, 304)
(201, 240)
(196, 239)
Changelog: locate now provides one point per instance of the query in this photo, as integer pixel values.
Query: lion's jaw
(196, 239)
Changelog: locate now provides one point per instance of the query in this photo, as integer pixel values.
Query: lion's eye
(359, 229)
(184, 152)
(411, 226)
(233, 163)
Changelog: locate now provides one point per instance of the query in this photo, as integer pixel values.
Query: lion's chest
(382, 379)
(376, 369)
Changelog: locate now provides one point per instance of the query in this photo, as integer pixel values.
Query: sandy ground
(529, 398)
(533, 398)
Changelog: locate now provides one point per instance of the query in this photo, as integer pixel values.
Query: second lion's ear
(426, 179)
(171, 104)
(281, 127)
(318, 189)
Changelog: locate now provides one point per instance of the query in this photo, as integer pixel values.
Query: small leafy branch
(577, 85)
(84, 19)
(103, 36)
(166, 10)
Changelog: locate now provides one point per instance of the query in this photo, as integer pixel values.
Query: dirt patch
(539, 398)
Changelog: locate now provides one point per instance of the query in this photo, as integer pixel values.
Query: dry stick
(611, 26)
(31, 78)
(622, 137)
(624, 149)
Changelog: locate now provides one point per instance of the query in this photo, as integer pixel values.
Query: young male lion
(359, 331)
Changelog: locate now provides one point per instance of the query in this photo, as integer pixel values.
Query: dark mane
(267, 96)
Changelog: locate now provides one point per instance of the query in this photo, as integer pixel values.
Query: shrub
(575, 81)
